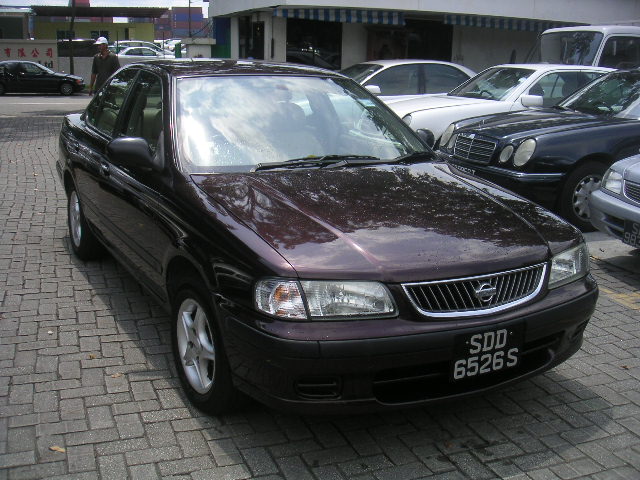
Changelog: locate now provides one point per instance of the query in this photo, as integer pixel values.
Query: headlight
(505, 154)
(612, 181)
(447, 134)
(569, 265)
(323, 299)
(524, 152)
(407, 119)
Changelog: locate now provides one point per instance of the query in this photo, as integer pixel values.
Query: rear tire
(66, 89)
(84, 243)
(574, 200)
(199, 353)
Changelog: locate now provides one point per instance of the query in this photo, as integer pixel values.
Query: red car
(313, 252)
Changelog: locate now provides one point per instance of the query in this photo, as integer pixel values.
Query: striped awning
(503, 23)
(380, 17)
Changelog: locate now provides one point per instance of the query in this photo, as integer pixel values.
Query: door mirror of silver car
(426, 136)
(531, 100)
(131, 152)
(375, 89)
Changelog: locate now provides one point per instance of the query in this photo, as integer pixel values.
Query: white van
(614, 46)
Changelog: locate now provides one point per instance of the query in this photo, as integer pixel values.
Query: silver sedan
(615, 207)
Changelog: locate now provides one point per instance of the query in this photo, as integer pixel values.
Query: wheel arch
(179, 271)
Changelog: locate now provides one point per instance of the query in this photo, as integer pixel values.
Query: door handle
(104, 169)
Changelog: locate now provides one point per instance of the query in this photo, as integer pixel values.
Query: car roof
(551, 66)
(197, 66)
(606, 29)
(406, 61)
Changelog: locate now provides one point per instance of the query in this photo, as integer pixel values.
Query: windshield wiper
(322, 161)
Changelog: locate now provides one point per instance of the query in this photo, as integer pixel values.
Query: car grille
(632, 190)
(476, 295)
(469, 147)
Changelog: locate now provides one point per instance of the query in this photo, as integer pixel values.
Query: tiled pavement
(87, 388)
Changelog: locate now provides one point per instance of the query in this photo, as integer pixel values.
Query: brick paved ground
(87, 389)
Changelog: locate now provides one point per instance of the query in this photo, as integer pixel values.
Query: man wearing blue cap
(104, 64)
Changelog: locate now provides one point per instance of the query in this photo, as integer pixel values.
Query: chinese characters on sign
(41, 53)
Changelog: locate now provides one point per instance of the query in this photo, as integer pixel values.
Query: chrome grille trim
(458, 297)
(632, 191)
(469, 147)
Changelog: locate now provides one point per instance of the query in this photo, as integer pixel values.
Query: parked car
(556, 156)
(121, 44)
(392, 79)
(502, 88)
(615, 206)
(31, 77)
(315, 260)
(144, 53)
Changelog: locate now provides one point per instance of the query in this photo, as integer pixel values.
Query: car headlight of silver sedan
(323, 300)
(569, 265)
(612, 181)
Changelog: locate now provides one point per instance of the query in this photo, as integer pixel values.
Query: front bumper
(409, 368)
(542, 188)
(609, 213)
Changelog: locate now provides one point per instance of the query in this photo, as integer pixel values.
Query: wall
(354, 44)
(479, 48)
(137, 31)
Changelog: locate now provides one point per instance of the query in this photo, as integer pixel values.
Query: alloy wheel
(581, 194)
(196, 347)
(75, 219)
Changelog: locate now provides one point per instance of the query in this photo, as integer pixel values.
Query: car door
(133, 205)
(35, 79)
(87, 141)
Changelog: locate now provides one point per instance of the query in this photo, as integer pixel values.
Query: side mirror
(375, 89)
(131, 152)
(426, 136)
(531, 100)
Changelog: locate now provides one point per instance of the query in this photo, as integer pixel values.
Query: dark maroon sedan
(314, 253)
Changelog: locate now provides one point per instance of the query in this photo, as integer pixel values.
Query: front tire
(574, 200)
(199, 354)
(83, 242)
(66, 89)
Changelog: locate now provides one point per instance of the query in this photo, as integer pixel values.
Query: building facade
(337, 34)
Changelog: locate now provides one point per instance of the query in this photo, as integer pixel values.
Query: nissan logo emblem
(485, 292)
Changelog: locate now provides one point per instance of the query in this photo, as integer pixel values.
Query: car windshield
(493, 84)
(235, 123)
(360, 71)
(568, 48)
(616, 94)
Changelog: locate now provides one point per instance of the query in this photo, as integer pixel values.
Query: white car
(396, 79)
(503, 88)
(144, 53)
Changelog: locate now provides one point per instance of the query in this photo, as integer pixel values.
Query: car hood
(530, 123)
(403, 107)
(67, 76)
(386, 223)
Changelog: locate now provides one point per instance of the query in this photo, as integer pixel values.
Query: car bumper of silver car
(357, 375)
(617, 217)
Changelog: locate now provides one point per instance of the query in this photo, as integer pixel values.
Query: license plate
(486, 352)
(468, 170)
(631, 234)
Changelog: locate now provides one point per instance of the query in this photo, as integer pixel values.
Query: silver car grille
(469, 147)
(632, 191)
(471, 296)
